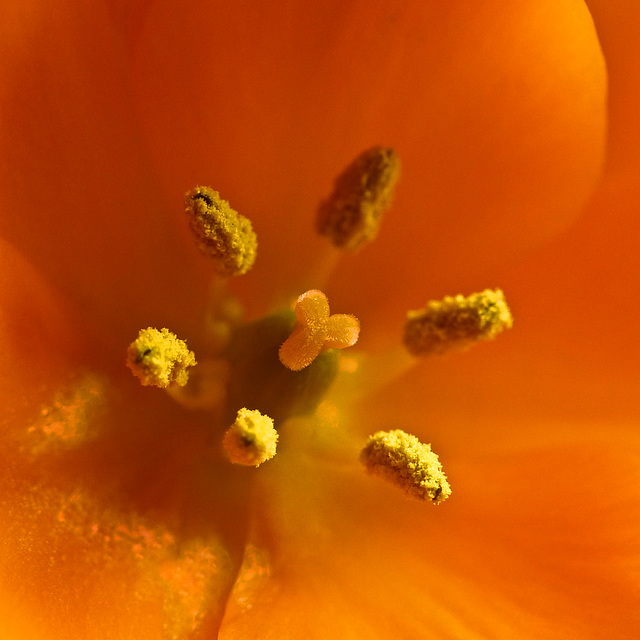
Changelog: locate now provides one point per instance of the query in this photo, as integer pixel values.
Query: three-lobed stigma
(400, 458)
(251, 439)
(316, 330)
(456, 322)
(222, 233)
(159, 358)
(362, 193)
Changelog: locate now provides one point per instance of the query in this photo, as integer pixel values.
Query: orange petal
(81, 463)
(80, 198)
(618, 28)
(507, 557)
(39, 341)
(75, 568)
(497, 113)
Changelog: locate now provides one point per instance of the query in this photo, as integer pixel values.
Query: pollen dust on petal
(69, 417)
(84, 570)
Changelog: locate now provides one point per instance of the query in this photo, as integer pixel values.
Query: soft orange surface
(495, 157)
(116, 521)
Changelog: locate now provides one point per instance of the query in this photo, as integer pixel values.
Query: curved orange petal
(543, 154)
(40, 340)
(497, 113)
(110, 527)
(78, 194)
(617, 26)
(570, 358)
(549, 415)
(534, 544)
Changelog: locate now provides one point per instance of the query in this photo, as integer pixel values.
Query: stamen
(160, 358)
(221, 232)
(362, 193)
(400, 458)
(316, 330)
(455, 323)
(251, 439)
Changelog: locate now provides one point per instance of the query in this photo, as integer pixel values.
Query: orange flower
(121, 518)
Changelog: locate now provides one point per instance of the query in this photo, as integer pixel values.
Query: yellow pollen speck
(403, 460)
(362, 193)
(456, 322)
(251, 439)
(160, 358)
(316, 330)
(221, 232)
(69, 418)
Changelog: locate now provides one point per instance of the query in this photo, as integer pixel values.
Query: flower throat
(281, 366)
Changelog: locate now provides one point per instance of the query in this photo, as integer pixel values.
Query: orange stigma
(316, 330)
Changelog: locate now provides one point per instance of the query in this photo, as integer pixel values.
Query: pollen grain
(400, 458)
(362, 193)
(251, 439)
(456, 322)
(160, 358)
(222, 234)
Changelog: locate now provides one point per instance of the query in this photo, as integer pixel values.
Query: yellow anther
(403, 460)
(316, 330)
(160, 358)
(362, 193)
(221, 232)
(251, 439)
(456, 322)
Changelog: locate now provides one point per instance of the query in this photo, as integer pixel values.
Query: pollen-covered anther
(456, 322)
(316, 330)
(251, 439)
(159, 358)
(222, 233)
(362, 193)
(400, 458)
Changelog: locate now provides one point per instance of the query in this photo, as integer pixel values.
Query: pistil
(316, 330)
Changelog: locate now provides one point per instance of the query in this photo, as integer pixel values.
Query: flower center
(259, 380)
(263, 373)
